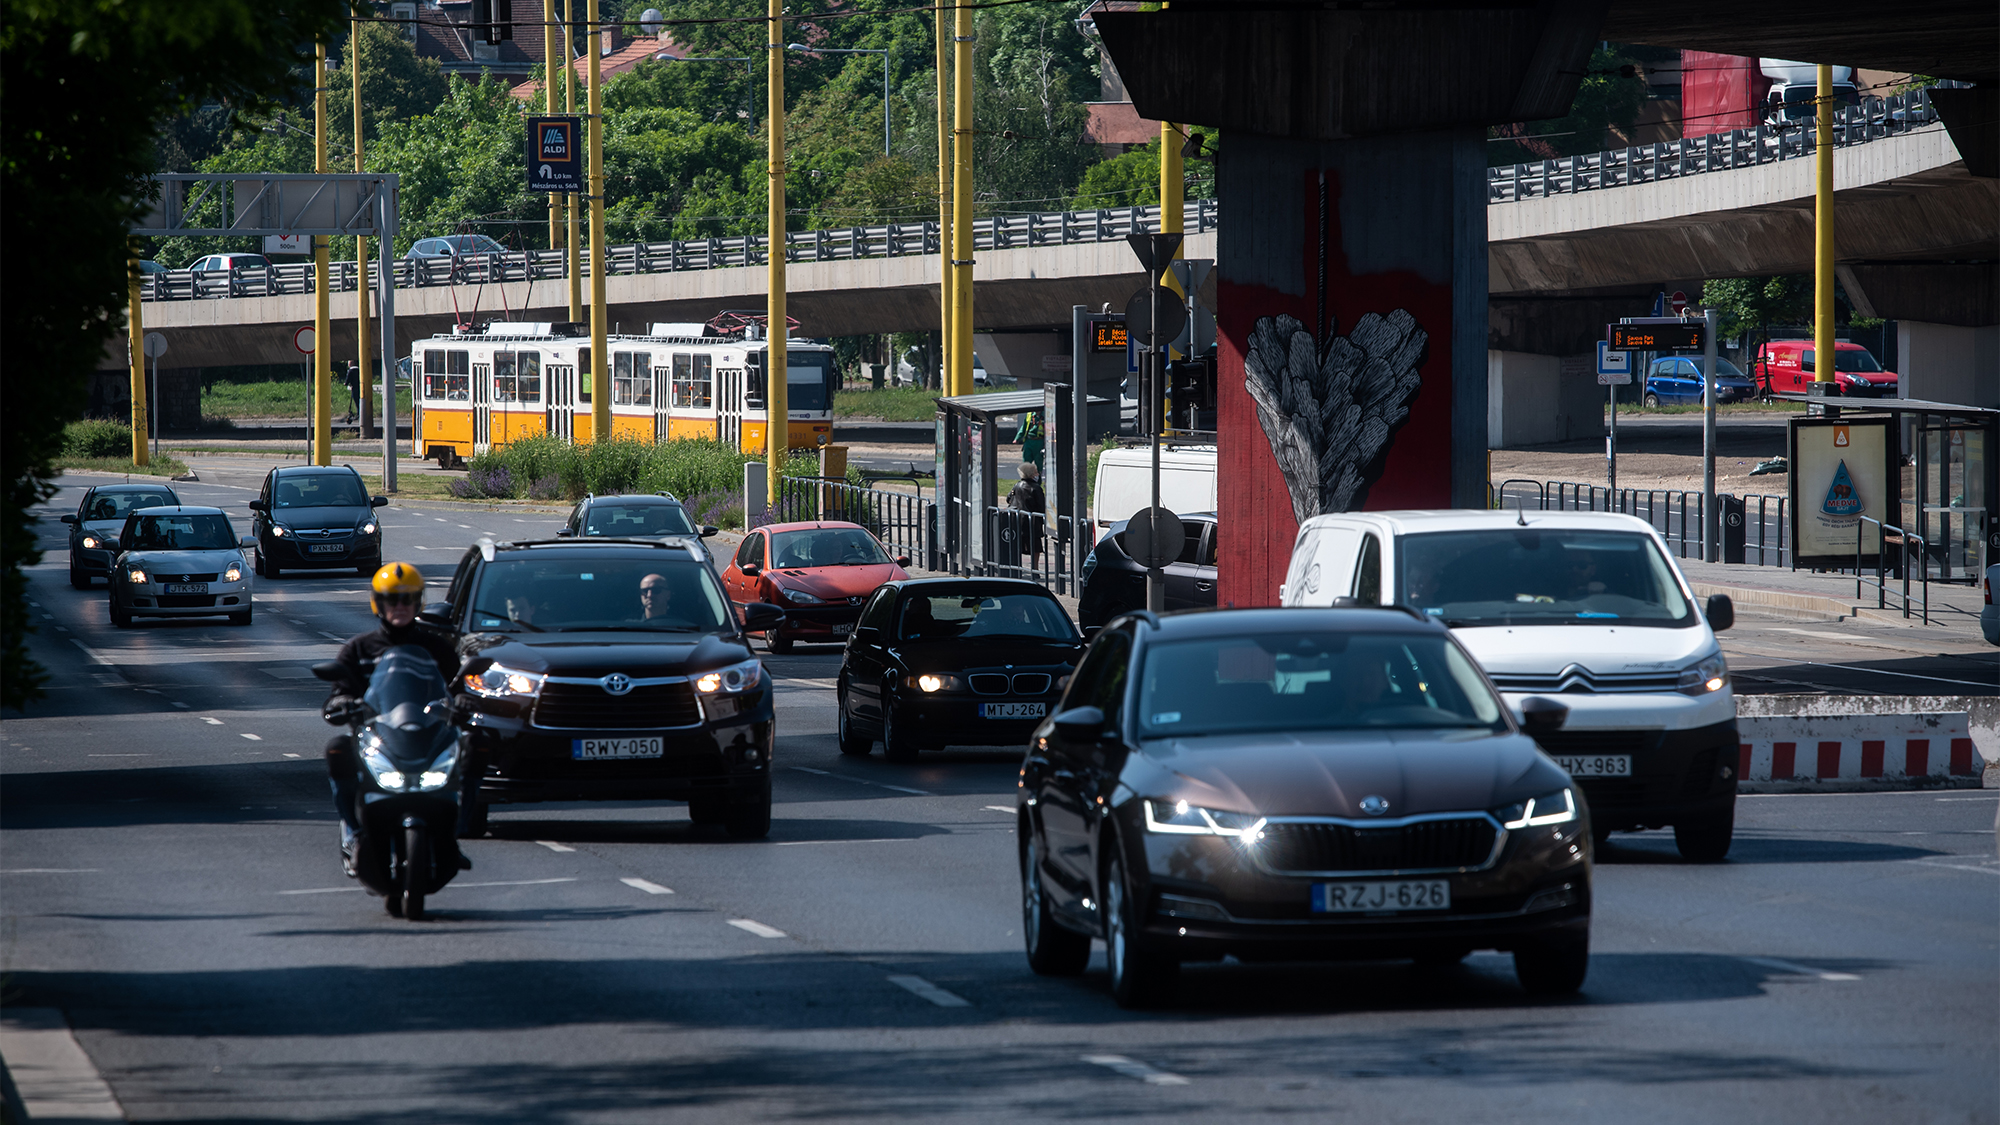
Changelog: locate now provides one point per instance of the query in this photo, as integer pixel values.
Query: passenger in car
(655, 598)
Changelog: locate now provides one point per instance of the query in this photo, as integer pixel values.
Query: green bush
(688, 467)
(96, 437)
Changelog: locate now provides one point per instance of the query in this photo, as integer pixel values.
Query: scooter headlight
(380, 767)
(439, 774)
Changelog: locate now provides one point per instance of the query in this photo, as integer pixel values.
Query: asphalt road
(168, 879)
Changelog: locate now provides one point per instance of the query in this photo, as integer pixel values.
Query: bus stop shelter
(974, 534)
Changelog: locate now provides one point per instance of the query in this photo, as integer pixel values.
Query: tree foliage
(88, 85)
(1602, 115)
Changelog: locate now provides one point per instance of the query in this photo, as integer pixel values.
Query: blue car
(1676, 380)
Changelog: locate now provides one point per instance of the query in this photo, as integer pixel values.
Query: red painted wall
(1253, 505)
(1719, 93)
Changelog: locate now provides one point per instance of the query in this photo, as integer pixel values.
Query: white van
(1585, 607)
(1124, 483)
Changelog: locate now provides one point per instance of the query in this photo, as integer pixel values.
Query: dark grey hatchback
(1296, 784)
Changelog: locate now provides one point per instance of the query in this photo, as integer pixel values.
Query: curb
(1807, 607)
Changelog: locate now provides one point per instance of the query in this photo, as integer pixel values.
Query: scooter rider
(396, 591)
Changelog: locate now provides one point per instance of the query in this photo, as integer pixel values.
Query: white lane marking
(51, 871)
(1988, 797)
(1000, 808)
(289, 754)
(555, 847)
(48, 617)
(931, 992)
(462, 527)
(901, 788)
(864, 781)
(758, 928)
(333, 636)
(519, 882)
(876, 840)
(92, 653)
(117, 755)
(1797, 969)
(1957, 866)
(1133, 1068)
(649, 887)
(254, 737)
(54, 1078)
(440, 519)
(294, 620)
(320, 891)
(211, 722)
(179, 704)
(808, 769)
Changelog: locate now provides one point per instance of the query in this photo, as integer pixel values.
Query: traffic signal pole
(364, 376)
(322, 299)
(947, 301)
(1823, 344)
(777, 413)
(961, 204)
(570, 240)
(136, 336)
(600, 363)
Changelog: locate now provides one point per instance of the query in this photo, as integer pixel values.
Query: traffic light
(1191, 393)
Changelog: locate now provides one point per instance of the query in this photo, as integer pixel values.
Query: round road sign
(154, 345)
(1153, 537)
(1680, 302)
(304, 340)
(1139, 316)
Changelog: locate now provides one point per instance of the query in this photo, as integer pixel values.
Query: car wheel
(707, 806)
(79, 579)
(852, 742)
(242, 618)
(1553, 966)
(416, 879)
(1052, 950)
(1706, 841)
(1651, 401)
(779, 646)
(749, 816)
(897, 744)
(1140, 977)
(119, 617)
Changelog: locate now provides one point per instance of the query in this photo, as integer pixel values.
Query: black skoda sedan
(1289, 784)
(960, 661)
(610, 670)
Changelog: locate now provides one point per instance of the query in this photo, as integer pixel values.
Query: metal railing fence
(1901, 542)
(1675, 513)
(901, 521)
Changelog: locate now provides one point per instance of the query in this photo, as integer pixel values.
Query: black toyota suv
(610, 670)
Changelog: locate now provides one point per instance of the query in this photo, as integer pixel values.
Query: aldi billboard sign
(555, 154)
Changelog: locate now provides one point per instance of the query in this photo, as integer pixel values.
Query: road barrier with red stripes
(1866, 741)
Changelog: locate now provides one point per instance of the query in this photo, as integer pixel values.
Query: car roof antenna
(1520, 517)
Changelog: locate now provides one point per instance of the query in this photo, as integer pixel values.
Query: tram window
(753, 384)
(808, 377)
(458, 363)
(683, 380)
(703, 382)
(434, 378)
(503, 377)
(528, 376)
(631, 379)
(583, 383)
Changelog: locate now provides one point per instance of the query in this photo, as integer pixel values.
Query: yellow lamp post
(322, 300)
(777, 428)
(600, 363)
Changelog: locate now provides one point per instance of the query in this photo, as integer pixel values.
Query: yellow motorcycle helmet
(396, 582)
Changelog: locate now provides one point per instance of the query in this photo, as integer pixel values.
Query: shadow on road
(1639, 849)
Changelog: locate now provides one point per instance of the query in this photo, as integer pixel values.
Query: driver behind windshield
(181, 533)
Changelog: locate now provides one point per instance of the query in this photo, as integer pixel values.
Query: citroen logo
(1374, 805)
(617, 683)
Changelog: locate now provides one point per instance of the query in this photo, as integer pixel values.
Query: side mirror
(1542, 716)
(902, 560)
(69, 519)
(759, 616)
(1080, 724)
(710, 531)
(378, 501)
(329, 670)
(750, 570)
(437, 613)
(248, 542)
(259, 506)
(1721, 612)
(564, 533)
(1090, 631)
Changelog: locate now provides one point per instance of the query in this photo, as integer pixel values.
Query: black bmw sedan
(960, 661)
(1296, 784)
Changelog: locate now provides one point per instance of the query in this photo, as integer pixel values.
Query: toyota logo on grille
(1374, 805)
(617, 683)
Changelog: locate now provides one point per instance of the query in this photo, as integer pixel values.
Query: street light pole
(600, 362)
(777, 329)
(858, 51)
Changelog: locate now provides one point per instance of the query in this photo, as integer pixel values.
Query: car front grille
(158, 577)
(1576, 679)
(989, 683)
(1302, 848)
(1578, 742)
(998, 683)
(186, 601)
(589, 707)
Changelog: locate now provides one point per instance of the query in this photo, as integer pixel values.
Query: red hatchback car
(820, 572)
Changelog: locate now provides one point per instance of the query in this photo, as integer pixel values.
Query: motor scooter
(407, 780)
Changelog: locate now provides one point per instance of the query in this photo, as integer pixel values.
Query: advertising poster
(1840, 473)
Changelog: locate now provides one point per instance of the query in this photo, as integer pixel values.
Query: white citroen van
(1585, 607)
(1124, 484)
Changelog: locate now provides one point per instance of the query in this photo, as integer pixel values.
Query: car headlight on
(367, 527)
(136, 576)
(1558, 807)
(90, 543)
(1178, 818)
(934, 682)
(501, 682)
(800, 597)
(1709, 675)
(233, 573)
(736, 677)
(280, 530)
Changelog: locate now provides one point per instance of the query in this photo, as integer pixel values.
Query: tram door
(729, 382)
(482, 407)
(663, 397)
(562, 400)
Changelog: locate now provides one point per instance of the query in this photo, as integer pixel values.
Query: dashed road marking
(758, 928)
(999, 808)
(51, 871)
(519, 882)
(1133, 1068)
(92, 653)
(320, 891)
(289, 754)
(648, 886)
(211, 722)
(555, 847)
(864, 781)
(1957, 866)
(1797, 969)
(254, 737)
(179, 704)
(295, 620)
(333, 636)
(874, 840)
(930, 992)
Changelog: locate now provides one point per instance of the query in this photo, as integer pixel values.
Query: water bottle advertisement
(1845, 484)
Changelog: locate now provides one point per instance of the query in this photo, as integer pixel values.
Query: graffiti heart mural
(1330, 411)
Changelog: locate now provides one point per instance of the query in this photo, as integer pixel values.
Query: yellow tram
(481, 388)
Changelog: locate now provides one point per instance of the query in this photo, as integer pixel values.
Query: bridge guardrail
(841, 244)
(1874, 118)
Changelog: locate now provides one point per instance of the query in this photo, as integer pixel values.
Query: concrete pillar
(1352, 337)
(1948, 363)
(1537, 399)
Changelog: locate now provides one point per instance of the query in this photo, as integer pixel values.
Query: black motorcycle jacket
(358, 656)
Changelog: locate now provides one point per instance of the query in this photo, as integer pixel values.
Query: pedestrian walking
(1029, 435)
